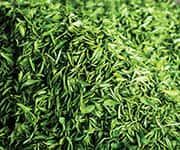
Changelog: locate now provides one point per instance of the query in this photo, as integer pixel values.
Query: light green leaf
(172, 92)
(7, 57)
(32, 64)
(110, 102)
(24, 108)
(22, 30)
(87, 109)
(29, 83)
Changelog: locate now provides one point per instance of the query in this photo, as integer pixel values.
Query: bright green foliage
(89, 74)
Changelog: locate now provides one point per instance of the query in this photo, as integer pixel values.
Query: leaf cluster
(84, 74)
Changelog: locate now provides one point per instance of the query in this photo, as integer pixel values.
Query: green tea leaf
(87, 109)
(29, 83)
(7, 57)
(22, 30)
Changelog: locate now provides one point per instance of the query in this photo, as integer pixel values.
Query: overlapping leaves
(89, 75)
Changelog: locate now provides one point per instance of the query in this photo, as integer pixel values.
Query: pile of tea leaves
(89, 75)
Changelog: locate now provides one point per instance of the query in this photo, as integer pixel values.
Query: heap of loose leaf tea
(84, 74)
